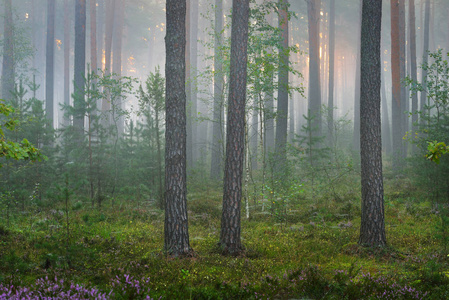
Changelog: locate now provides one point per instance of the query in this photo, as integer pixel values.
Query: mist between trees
(296, 111)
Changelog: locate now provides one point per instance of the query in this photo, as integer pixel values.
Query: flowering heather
(47, 289)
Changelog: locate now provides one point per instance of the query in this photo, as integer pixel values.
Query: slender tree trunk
(110, 8)
(314, 114)
(193, 78)
(217, 127)
(396, 85)
(282, 108)
(330, 105)
(372, 229)
(414, 76)
(176, 224)
(190, 161)
(93, 36)
(80, 64)
(66, 120)
(50, 58)
(254, 135)
(100, 34)
(403, 74)
(117, 58)
(269, 133)
(232, 190)
(356, 140)
(425, 57)
(386, 131)
(8, 74)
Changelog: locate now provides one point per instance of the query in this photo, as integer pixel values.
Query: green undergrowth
(310, 252)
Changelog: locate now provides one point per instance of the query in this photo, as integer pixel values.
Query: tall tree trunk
(254, 135)
(217, 127)
(282, 108)
(372, 229)
(425, 57)
(386, 131)
(8, 76)
(80, 64)
(100, 33)
(117, 58)
(403, 74)
(110, 9)
(414, 76)
(314, 113)
(66, 120)
(269, 133)
(232, 190)
(176, 224)
(396, 85)
(190, 161)
(356, 140)
(193, 79)
(330, 105)
(93, 35)
(50, 58)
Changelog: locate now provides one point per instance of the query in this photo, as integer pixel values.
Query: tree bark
(282, 108)
(372, 229)
(50, 59)
(117, 57)
(80, 64)
(330, 104)
(414, 76)
(110, 8)
(425, 57)
(66, 120)
(403, 74)
(8, 73)
(396, 85)
(193, 79)
(314, 114)
(93, 36)
(217, 127)
(189, 90)
(176, 224)
(356, 140)
(230, 242)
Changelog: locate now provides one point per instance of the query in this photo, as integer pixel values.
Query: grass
(309, 251)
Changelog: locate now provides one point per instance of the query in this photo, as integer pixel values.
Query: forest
(224, 149)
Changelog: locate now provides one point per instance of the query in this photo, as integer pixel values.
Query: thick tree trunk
(372, 229)
(330, 104)
(282, 108)
(8, 75)
(314, 114)
(80, 64)
(414, 76)
(176, 224)
(50, 59)
(232, 191)
(217, 127)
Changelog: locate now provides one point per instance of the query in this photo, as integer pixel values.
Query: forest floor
(302, 248)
